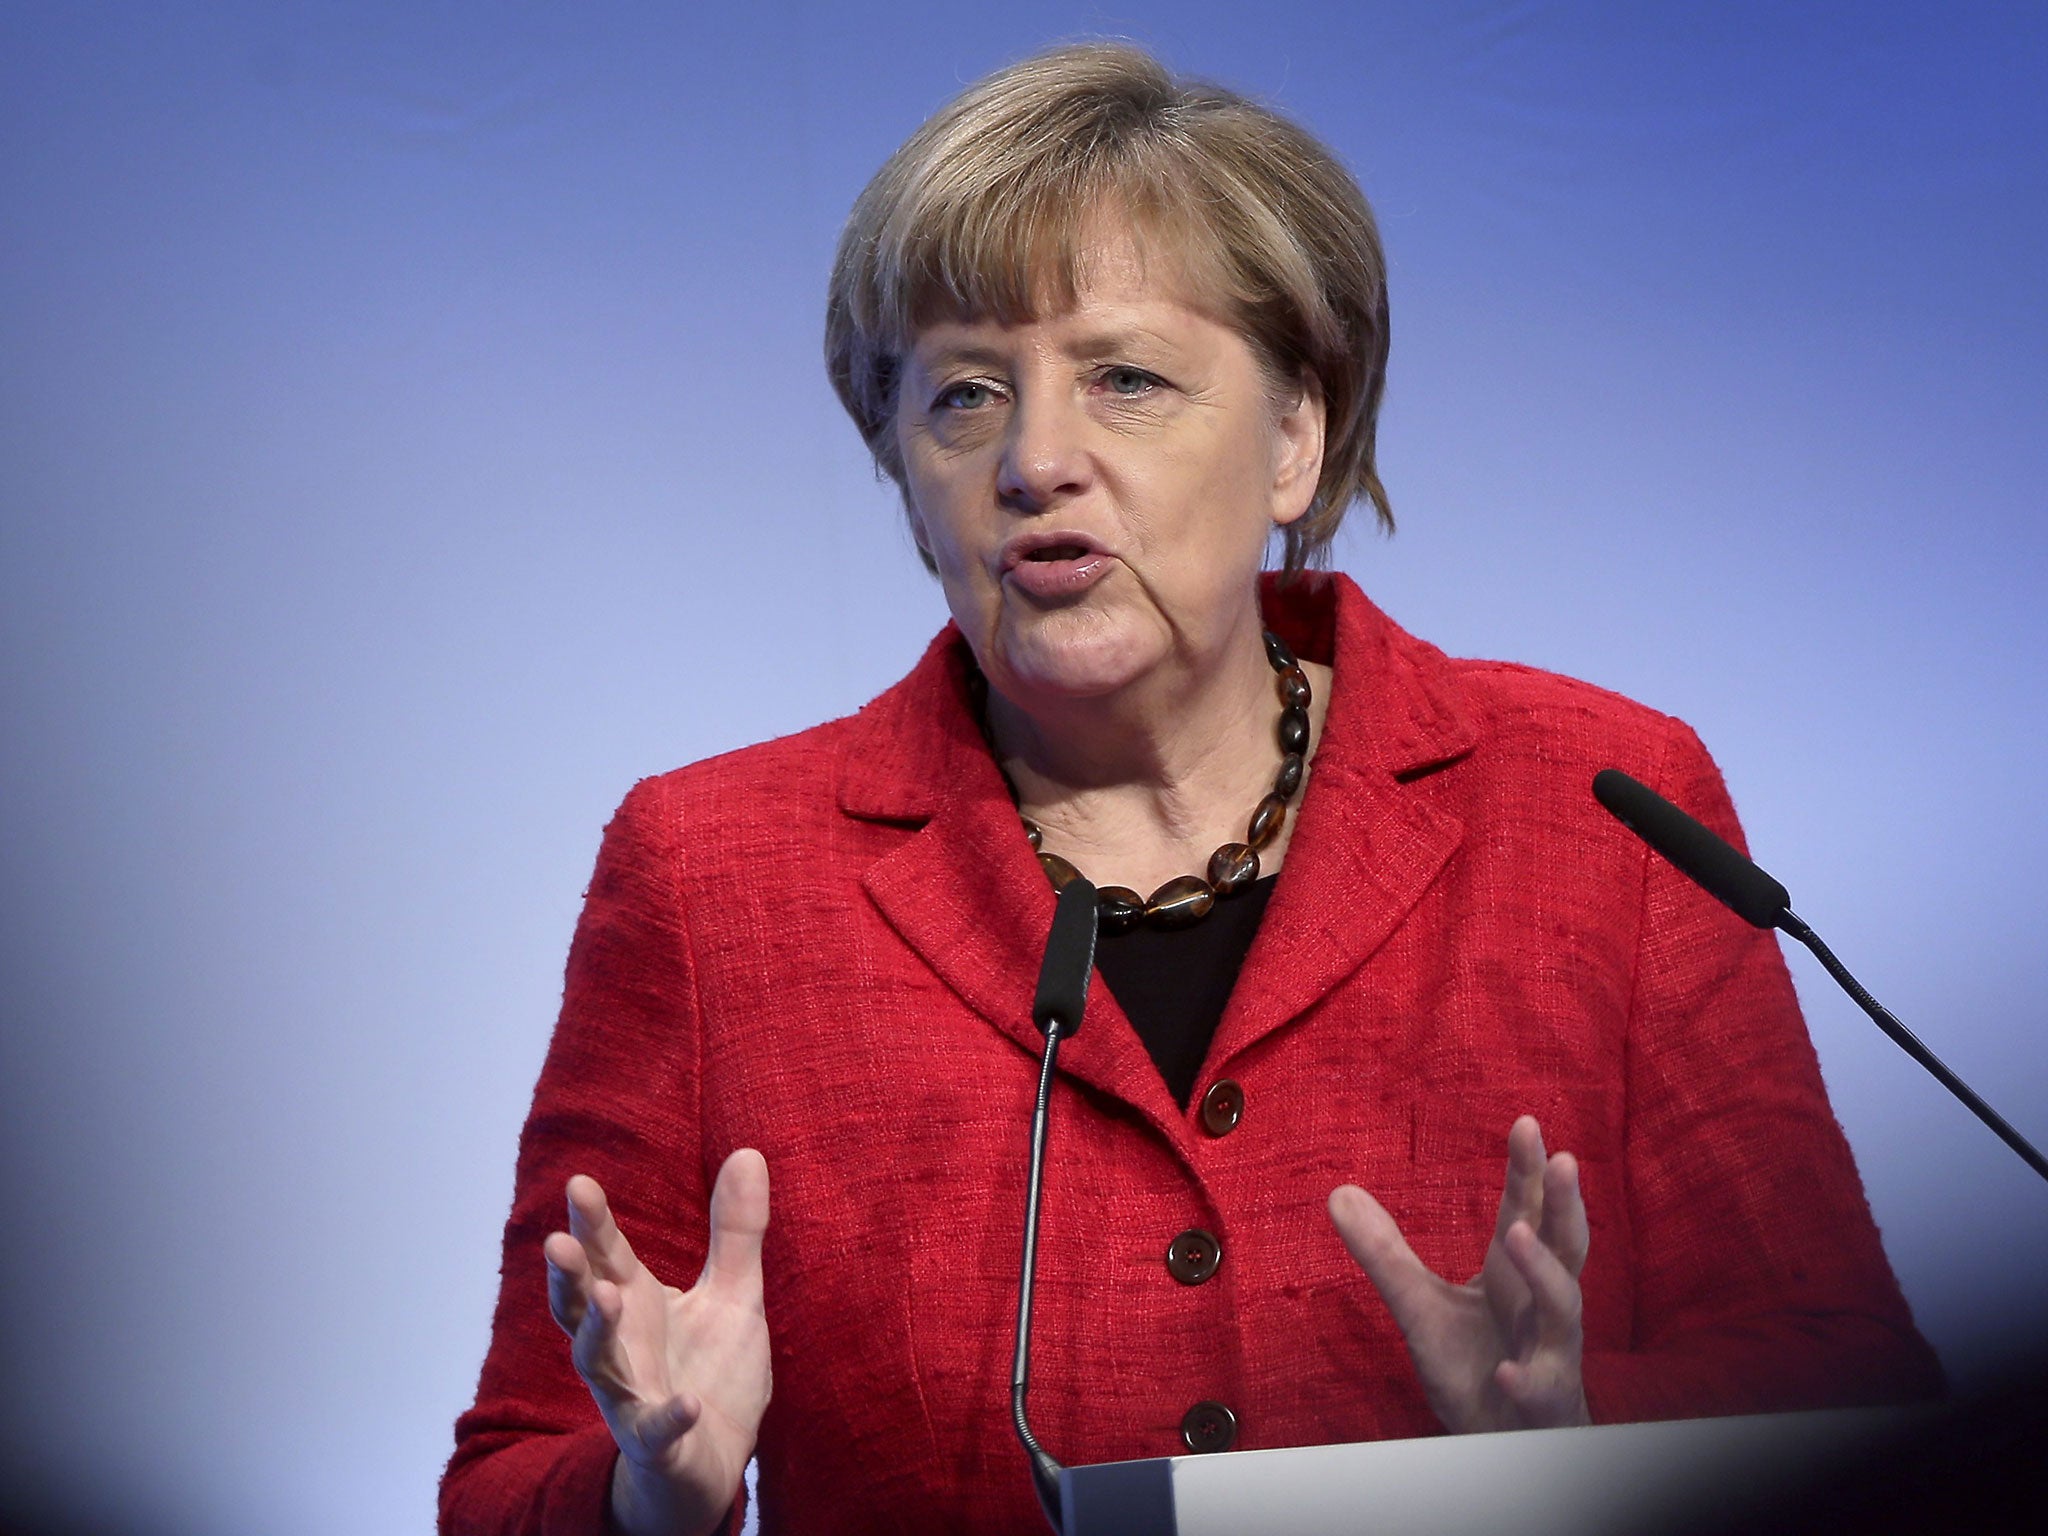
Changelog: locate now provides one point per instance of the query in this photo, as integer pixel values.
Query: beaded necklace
(1187, 899)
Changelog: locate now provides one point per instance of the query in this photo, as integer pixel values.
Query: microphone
(1069, 960)
(1712, 864)
(1737, 883)
(1062, 996)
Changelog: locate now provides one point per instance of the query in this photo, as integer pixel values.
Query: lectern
(1608, 1480)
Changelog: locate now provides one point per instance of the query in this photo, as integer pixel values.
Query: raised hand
(681, 1377)
(1501, 1351)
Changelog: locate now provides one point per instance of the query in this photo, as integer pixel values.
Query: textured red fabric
(825, 947)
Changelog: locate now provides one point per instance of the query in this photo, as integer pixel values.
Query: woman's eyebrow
(1122, 341)
(1108, 343)
(937, 357)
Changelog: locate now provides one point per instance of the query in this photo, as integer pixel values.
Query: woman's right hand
(681, 1377)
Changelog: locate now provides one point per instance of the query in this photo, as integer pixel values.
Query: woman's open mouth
(1055, 568)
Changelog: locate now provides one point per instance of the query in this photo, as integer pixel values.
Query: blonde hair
(985, 211)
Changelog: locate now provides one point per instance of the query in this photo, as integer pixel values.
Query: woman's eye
(1128, 381)
(970, 396)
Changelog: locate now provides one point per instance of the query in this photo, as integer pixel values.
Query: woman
(1113, 336)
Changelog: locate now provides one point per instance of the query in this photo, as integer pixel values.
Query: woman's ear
(1298, 463)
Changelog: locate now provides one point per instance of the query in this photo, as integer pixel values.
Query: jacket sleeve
(1760, 1281)
(618, 1100)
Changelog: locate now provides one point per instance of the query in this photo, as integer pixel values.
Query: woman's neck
(1141, 786)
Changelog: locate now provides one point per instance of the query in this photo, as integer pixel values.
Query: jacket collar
(1397, 707)
(966, 893)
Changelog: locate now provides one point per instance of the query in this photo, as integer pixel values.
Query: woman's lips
(1058, 572)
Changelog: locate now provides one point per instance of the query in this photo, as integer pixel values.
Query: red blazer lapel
(965, 893)
(1367, 845)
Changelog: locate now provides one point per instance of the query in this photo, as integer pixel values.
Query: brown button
(1192, 1257)
(1208, 1427)
(1222, 1107)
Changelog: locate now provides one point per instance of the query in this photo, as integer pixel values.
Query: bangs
(1018, 248)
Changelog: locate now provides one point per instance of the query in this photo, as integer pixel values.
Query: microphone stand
(1909, 1042)
(1732, 879)
(1045, 1471)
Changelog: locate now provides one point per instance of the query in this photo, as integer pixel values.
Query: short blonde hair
(985, 210)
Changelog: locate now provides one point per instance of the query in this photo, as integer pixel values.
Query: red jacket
(825, 947)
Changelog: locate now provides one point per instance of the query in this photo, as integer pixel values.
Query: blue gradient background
(412, 431)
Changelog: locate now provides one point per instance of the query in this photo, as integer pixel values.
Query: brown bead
(1278, 654)
(1118, 908)
(1294, 689)
(1293, 730)
(1265, 824)
(1288, 780)
(1058, 870)
(1233, 867)
(1180, 902)
(1033, 836)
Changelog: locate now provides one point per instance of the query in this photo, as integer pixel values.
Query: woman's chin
(1073, 655)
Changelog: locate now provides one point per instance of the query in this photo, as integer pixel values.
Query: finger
(1374, 1239)
(655, 1429)
(1548, 1391)
(739, 1221)
(1546, 1385)
(591, 1224)
(1521, 1198)
(1563, 1228)
(1560, 1303)
(599, 1355)
(568, 1280)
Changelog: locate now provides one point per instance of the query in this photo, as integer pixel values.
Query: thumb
(1375, 1241)
(654, 1429)
(739, 1220)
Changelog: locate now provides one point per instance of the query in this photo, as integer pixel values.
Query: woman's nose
(1045, 452)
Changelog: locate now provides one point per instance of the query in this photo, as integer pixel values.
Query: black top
(1172, 983)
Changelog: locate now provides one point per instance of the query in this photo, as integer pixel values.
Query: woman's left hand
(1501, 1351)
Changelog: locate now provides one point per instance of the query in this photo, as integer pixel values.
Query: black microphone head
(1705, 858)
(1069, 959)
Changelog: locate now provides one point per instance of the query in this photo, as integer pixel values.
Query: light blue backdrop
(411, 431)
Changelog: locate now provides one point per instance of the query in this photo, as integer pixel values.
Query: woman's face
(1097, 487)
